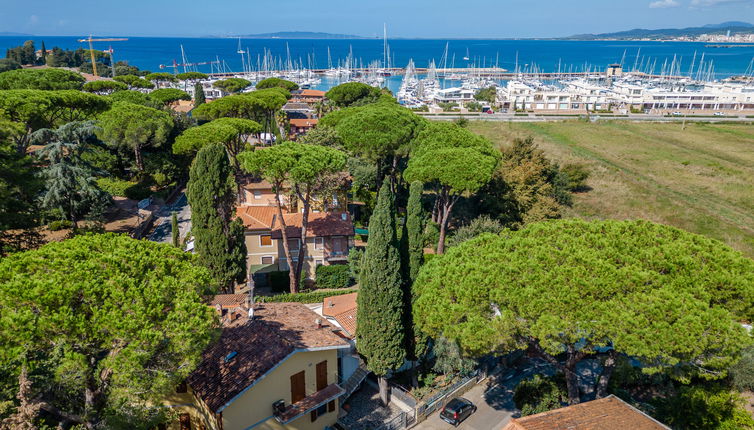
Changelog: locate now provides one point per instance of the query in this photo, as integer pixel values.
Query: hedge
(121, 188)
(335, 276)
(310, 297)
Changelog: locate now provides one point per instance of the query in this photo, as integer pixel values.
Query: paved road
(596, 117)
(163, 232)
(494, 402)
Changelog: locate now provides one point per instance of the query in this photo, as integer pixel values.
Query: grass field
(699, 178)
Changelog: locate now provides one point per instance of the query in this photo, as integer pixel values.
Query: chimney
(319, 322)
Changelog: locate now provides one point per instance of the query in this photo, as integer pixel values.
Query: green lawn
(700, 178)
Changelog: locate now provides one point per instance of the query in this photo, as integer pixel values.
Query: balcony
(286, 414)
(336, 256)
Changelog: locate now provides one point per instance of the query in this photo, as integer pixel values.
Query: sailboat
(466, 58)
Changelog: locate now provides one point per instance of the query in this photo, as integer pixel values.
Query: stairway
(354, 381)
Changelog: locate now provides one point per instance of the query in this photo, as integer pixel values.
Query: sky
(404, 18)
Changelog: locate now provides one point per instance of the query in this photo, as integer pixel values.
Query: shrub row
(335, 276)
(309, 297)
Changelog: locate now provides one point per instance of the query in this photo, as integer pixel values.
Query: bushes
(742, 373)
(59, 225)
(120, 188)
(540, 394)
(279, 281)
(577, 175)
(335, 276)
(704, 407)
(310, 297)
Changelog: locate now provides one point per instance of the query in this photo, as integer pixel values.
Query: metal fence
(438, 400)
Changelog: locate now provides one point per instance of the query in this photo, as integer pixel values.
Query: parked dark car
(457, 410)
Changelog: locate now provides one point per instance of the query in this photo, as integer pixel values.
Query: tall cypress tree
(381, 333)
(43, 59)
(218, 239)
(176, 233)
(199, 98)
(412, 257)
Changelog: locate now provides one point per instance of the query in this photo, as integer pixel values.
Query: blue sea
(544, 55)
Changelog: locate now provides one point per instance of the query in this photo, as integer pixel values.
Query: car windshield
(454, 405)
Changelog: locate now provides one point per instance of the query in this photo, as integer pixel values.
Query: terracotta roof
(320, 224)
(308, 122)
(276, 331)
(183, 106)
(343, 309)
(335, 305)
(603, 414)
(257, 185)
(229, 300)
(257, 217)
(316, 93)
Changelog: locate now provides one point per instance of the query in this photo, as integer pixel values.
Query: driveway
(163, 232)
(493, 399)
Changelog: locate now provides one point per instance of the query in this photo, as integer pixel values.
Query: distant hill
(640, 33)
(10, 33)
(730, 24)
(300, 35)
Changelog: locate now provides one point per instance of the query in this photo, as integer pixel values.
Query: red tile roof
(303, 122)
(257, 217)
(343, 309)
(610, 413)
(320, 224)
(335, 305)
(312, 93)
(229, 300)
(276, 331)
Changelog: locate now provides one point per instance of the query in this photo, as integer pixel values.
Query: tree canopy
(134, 81)
(131, 126)
(106, 324)
(161, 77)
(276, 83)
(167, 96)
(232, 133)
(71, 189)
(8, 64)
(232, 85)
(353, 93)
(19, 187)
(103, 87)
(191, 76)
(455, 161)
(36, 109)
(135, 97)
(40, 79)
(376, 131)
(670, 299)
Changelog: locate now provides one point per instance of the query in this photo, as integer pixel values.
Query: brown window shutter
(298, 387)
(331, 406)
(321, 375)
